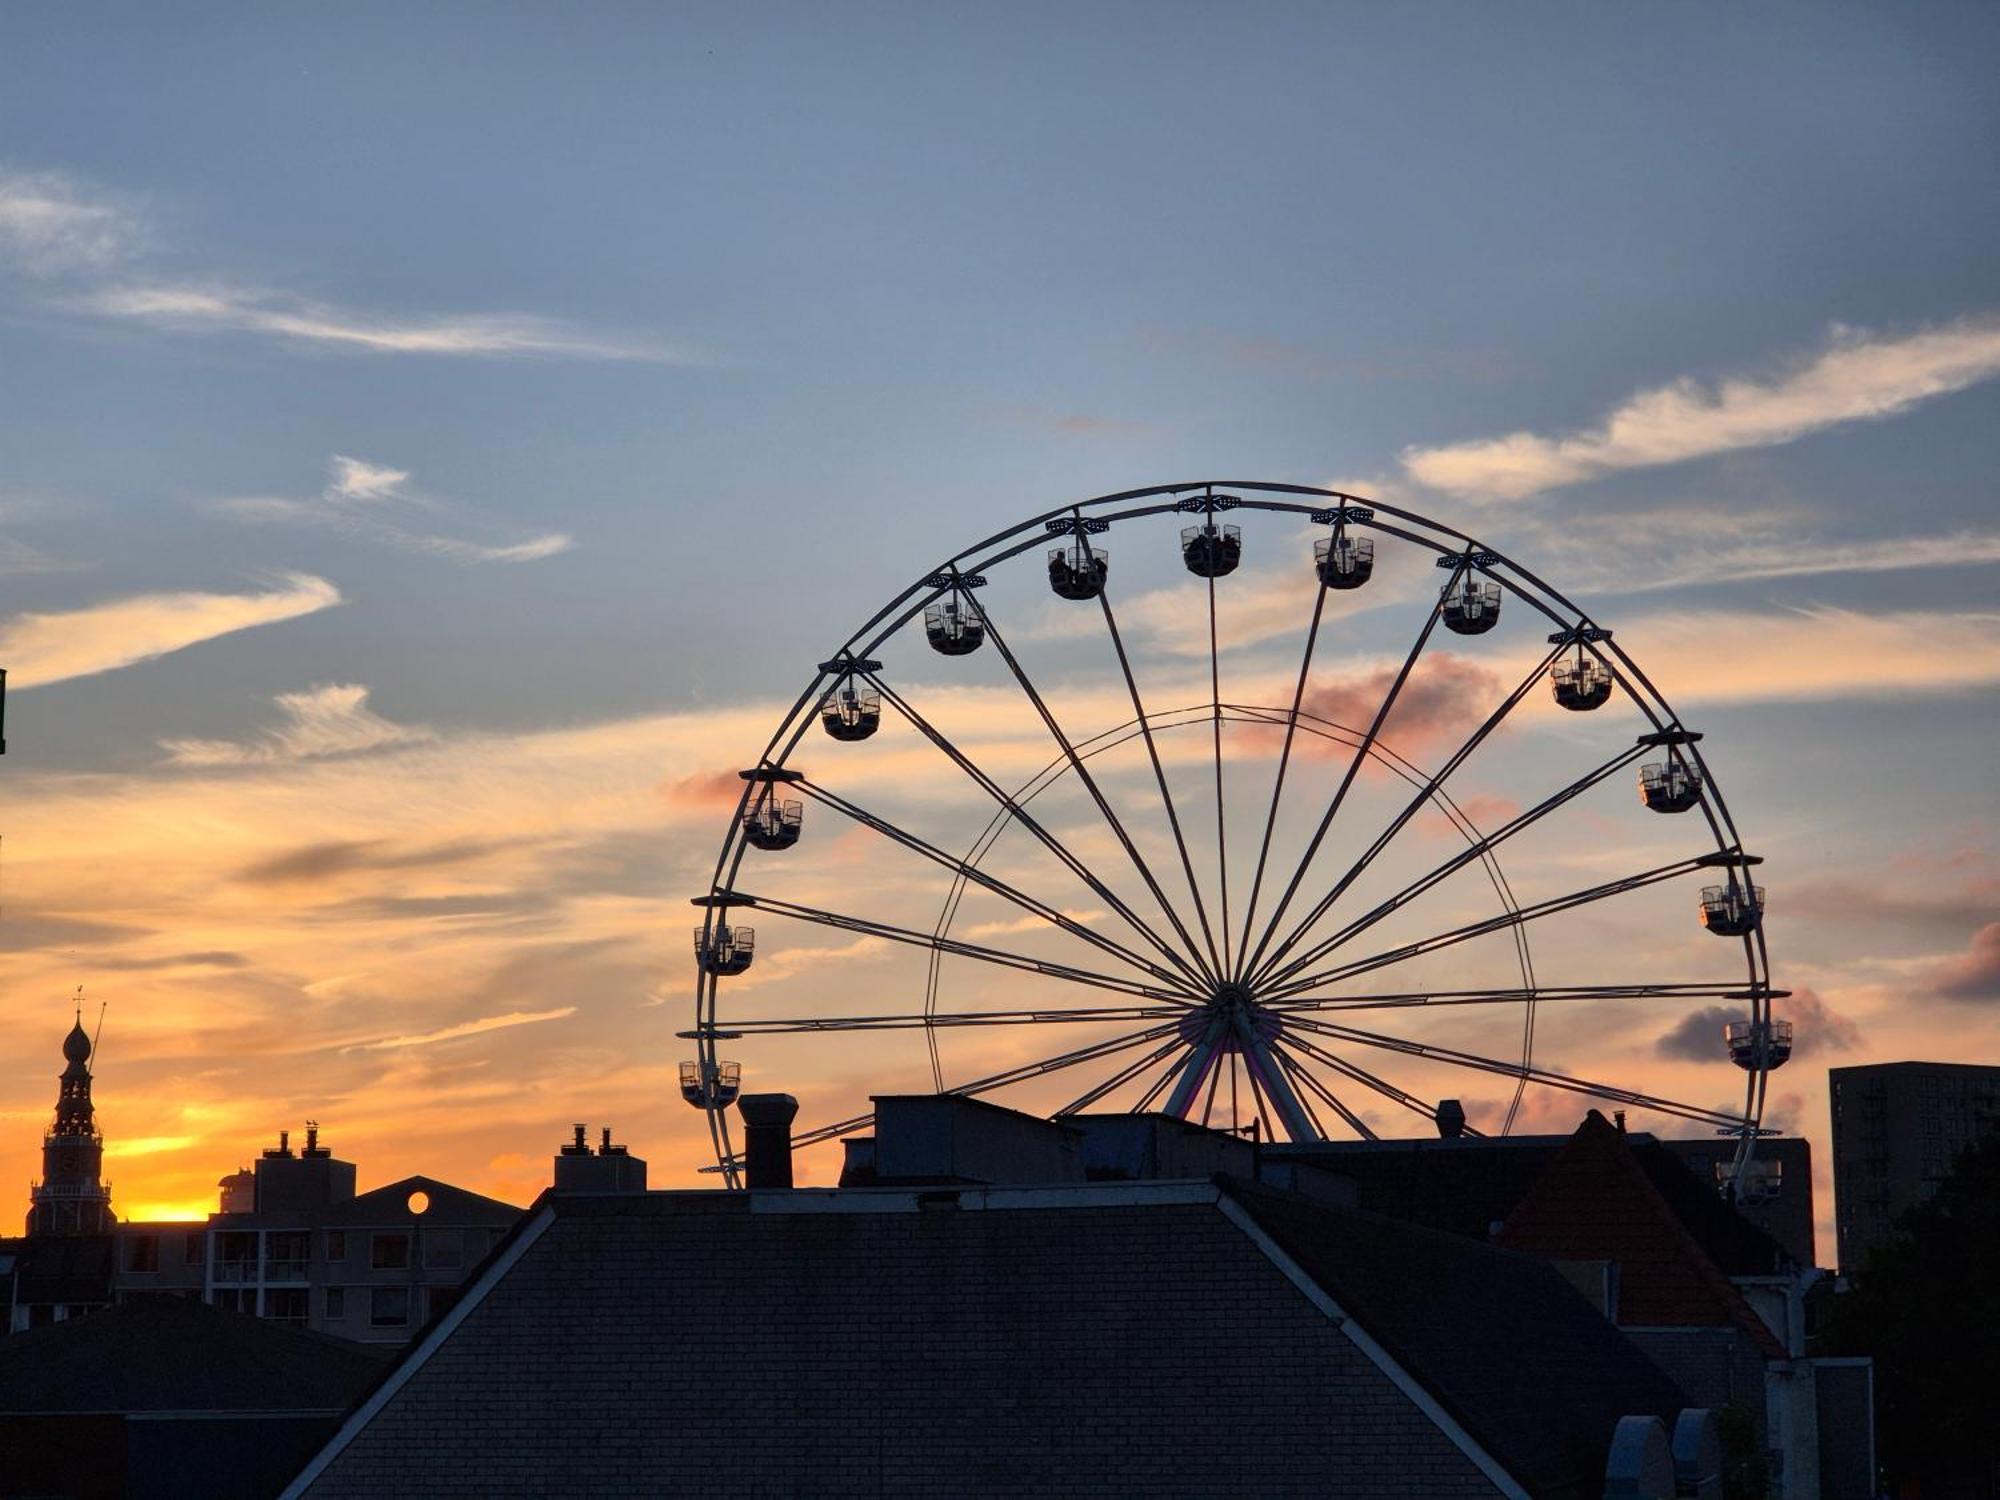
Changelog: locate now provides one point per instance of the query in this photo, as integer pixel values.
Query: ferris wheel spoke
(980, 877)
(1255, 959)
(1365, 1078)
(1303, 1079)
(1010, 806)
(1546, 1076)
(1476, 850)
(1164, 1082)
(1159, 775)
(1089, 784)
(940, 944)
(1119, 1079)
(1284, 761)
(1500, 923)
(1221, 826)
(1424, 796)
(1412, 999)
(792, 1026)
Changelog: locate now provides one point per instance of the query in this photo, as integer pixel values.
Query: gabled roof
(1503, 1342)
(390, 1205)
(1596, 1202)
(177, 1354)
(1508, 1360)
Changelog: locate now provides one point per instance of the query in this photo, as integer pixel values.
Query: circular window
(419, 1201)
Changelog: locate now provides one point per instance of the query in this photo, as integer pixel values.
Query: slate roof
(1498, 1339)
(1596, 1202)
(1504, 1343)
(177, 1354)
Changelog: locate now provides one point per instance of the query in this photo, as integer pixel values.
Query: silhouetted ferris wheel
(1168, 870)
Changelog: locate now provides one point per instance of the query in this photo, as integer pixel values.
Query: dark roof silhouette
(1596, 1202)
(72, 1268)
(1501, 1339)
(180, 1355)
(996, 1334)
(1470, 1185)
(389, 1205)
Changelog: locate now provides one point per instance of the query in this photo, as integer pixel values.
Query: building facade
(294, 1242)
(1897, 1129)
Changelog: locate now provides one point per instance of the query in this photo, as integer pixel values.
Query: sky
(437, 443)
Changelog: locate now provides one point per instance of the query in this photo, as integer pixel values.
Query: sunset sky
(437, 443)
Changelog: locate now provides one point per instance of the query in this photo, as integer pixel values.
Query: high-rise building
(1897, 1128)
(72, 1196)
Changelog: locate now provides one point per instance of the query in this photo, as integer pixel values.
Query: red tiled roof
(1596, 1203)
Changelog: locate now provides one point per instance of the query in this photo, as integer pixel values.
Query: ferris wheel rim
(1448, 542)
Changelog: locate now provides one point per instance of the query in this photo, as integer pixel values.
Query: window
(237, 1299)
(444, 1248)
(195, 1252)
(236, 1256)
(142, 1252)
(438, 1300)
(336, 1303)
(286, 1305)
(390, 1252)
(286, 1252)
(336, 1244)
(389, 1307)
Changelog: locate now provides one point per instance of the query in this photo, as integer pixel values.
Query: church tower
(72, 1197)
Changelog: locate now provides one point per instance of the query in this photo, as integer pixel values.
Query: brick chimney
(767, 1139)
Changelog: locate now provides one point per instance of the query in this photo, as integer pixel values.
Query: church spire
(72, 1197)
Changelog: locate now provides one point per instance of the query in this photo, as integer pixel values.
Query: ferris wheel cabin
(771, 824)
(718, 1089)
(1582, 684)
(1732, 910)
(1669, 786)
(1759, 1046)
(1344, 562)
(1211, 551)
(1078, 571)
(1471, 606)
(725, 950)
(952, 627)
(851, 713)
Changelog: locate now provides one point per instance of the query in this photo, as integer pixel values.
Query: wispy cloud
(54, 647)
(50, 225)
(91, 243)
(466, 1028)
(250, 309)
(358, 498)
(331, 719)
(1857, 377)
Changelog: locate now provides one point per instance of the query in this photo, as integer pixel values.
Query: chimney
(284, 1146)
(1619, 1117)
(313, 1147)
(613, 1169)
(1450, 1119)
(767, 1139)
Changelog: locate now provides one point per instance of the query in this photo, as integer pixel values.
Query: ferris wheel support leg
(1266, 1075)
(1201, 1062)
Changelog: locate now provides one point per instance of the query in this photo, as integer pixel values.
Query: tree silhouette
(1926, 1306)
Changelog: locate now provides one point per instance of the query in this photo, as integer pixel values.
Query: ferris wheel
(1221, 839)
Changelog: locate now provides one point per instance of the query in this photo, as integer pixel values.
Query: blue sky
(605, 363)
